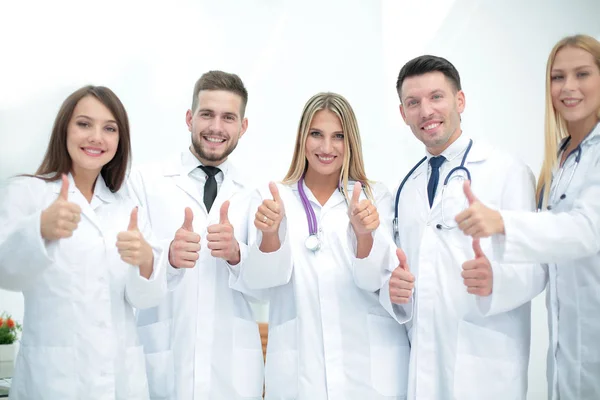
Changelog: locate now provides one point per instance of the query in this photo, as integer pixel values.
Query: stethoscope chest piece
(312, 243)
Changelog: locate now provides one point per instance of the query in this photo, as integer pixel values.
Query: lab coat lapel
(76, 197)
(183, 182)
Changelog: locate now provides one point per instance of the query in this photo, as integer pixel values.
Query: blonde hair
(555, 127)
(353, 166)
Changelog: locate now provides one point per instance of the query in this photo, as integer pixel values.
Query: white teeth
(571, 102)
(214, 140)
(431, 126)
(325, 158)
(93, 151)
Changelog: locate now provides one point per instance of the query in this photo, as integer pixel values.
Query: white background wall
(151, 53)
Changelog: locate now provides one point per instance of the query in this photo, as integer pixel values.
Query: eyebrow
(576, 68)
(91, 119)
(318, 130)
(213, 112)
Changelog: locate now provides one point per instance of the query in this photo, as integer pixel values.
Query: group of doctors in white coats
(421, 293)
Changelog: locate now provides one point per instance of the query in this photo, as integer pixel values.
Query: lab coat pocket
(282, 362)
(45, 373)
(248, 363)
(390, 354)
(134, 381)
(488, 365)
(161, 374)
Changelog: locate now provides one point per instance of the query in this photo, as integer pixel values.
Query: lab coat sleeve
(513, 284)
(548, 237)
(24, 254)
(141, 292)
(373, 272)
(266, 270)
(137, 188)
(370, 273)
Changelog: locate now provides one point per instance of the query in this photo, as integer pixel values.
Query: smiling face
(575, 87)
(324, 145)
(92, 136)
(216, 125)
(431, 107)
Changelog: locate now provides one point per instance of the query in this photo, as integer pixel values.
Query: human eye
(582, 74)
(111, 128)
(83, 124)
(339, 136)
(556, 77)
(314, 133)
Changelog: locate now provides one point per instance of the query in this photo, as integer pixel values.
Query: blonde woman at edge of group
(565, 233)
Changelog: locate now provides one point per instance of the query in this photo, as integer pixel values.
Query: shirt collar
(454, 150)
(189, 163)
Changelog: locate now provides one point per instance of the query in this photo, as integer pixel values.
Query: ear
(188, 119)
(402, 113)
(460, 101)
(244, 126)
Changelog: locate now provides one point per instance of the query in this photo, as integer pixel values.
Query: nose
(327, 145)
(217, 124)
(96, 135)
(570, 83)
(426, 110)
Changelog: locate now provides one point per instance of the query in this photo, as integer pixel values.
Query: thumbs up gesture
(402, 281)
(363, 215)
(60, 219)
(478, 220)
(221, 240)
(132, 246)
(477, 274)
(270, 213)
(183, 251)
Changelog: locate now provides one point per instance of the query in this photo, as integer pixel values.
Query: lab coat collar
(186, 162)
(336, 198)
(100, 189)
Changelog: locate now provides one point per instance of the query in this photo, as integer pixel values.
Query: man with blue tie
(470, 327)
(202, 343)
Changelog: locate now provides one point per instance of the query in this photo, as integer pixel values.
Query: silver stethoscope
(312, 242)
(553, 200)
(444, 224)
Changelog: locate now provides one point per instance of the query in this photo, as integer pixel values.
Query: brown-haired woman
(70, 240)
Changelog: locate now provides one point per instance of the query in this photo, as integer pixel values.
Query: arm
(552, 237)
(146, 286)
(266, 269)
(514, 284)
(24, 254)
(371, 271)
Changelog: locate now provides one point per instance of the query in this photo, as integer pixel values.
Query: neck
(205, 162)
(85, 181)
(322, 186)
(436, 151)
(578, 130)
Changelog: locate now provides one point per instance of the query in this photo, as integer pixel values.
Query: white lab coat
(464, 346)
(567, 237)
(328, 339)
(203, 342)
(79, 335)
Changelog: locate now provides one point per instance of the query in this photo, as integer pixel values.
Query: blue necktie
(435, 163)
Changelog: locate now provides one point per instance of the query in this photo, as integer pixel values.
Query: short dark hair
(427, 63)
(57, 160)
(219, 80)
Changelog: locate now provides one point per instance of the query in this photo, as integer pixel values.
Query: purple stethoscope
(312, 242)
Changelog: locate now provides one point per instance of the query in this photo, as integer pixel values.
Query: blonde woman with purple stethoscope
(566, 232)
(317, 235)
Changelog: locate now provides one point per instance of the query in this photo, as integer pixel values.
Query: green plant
(9, 329)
